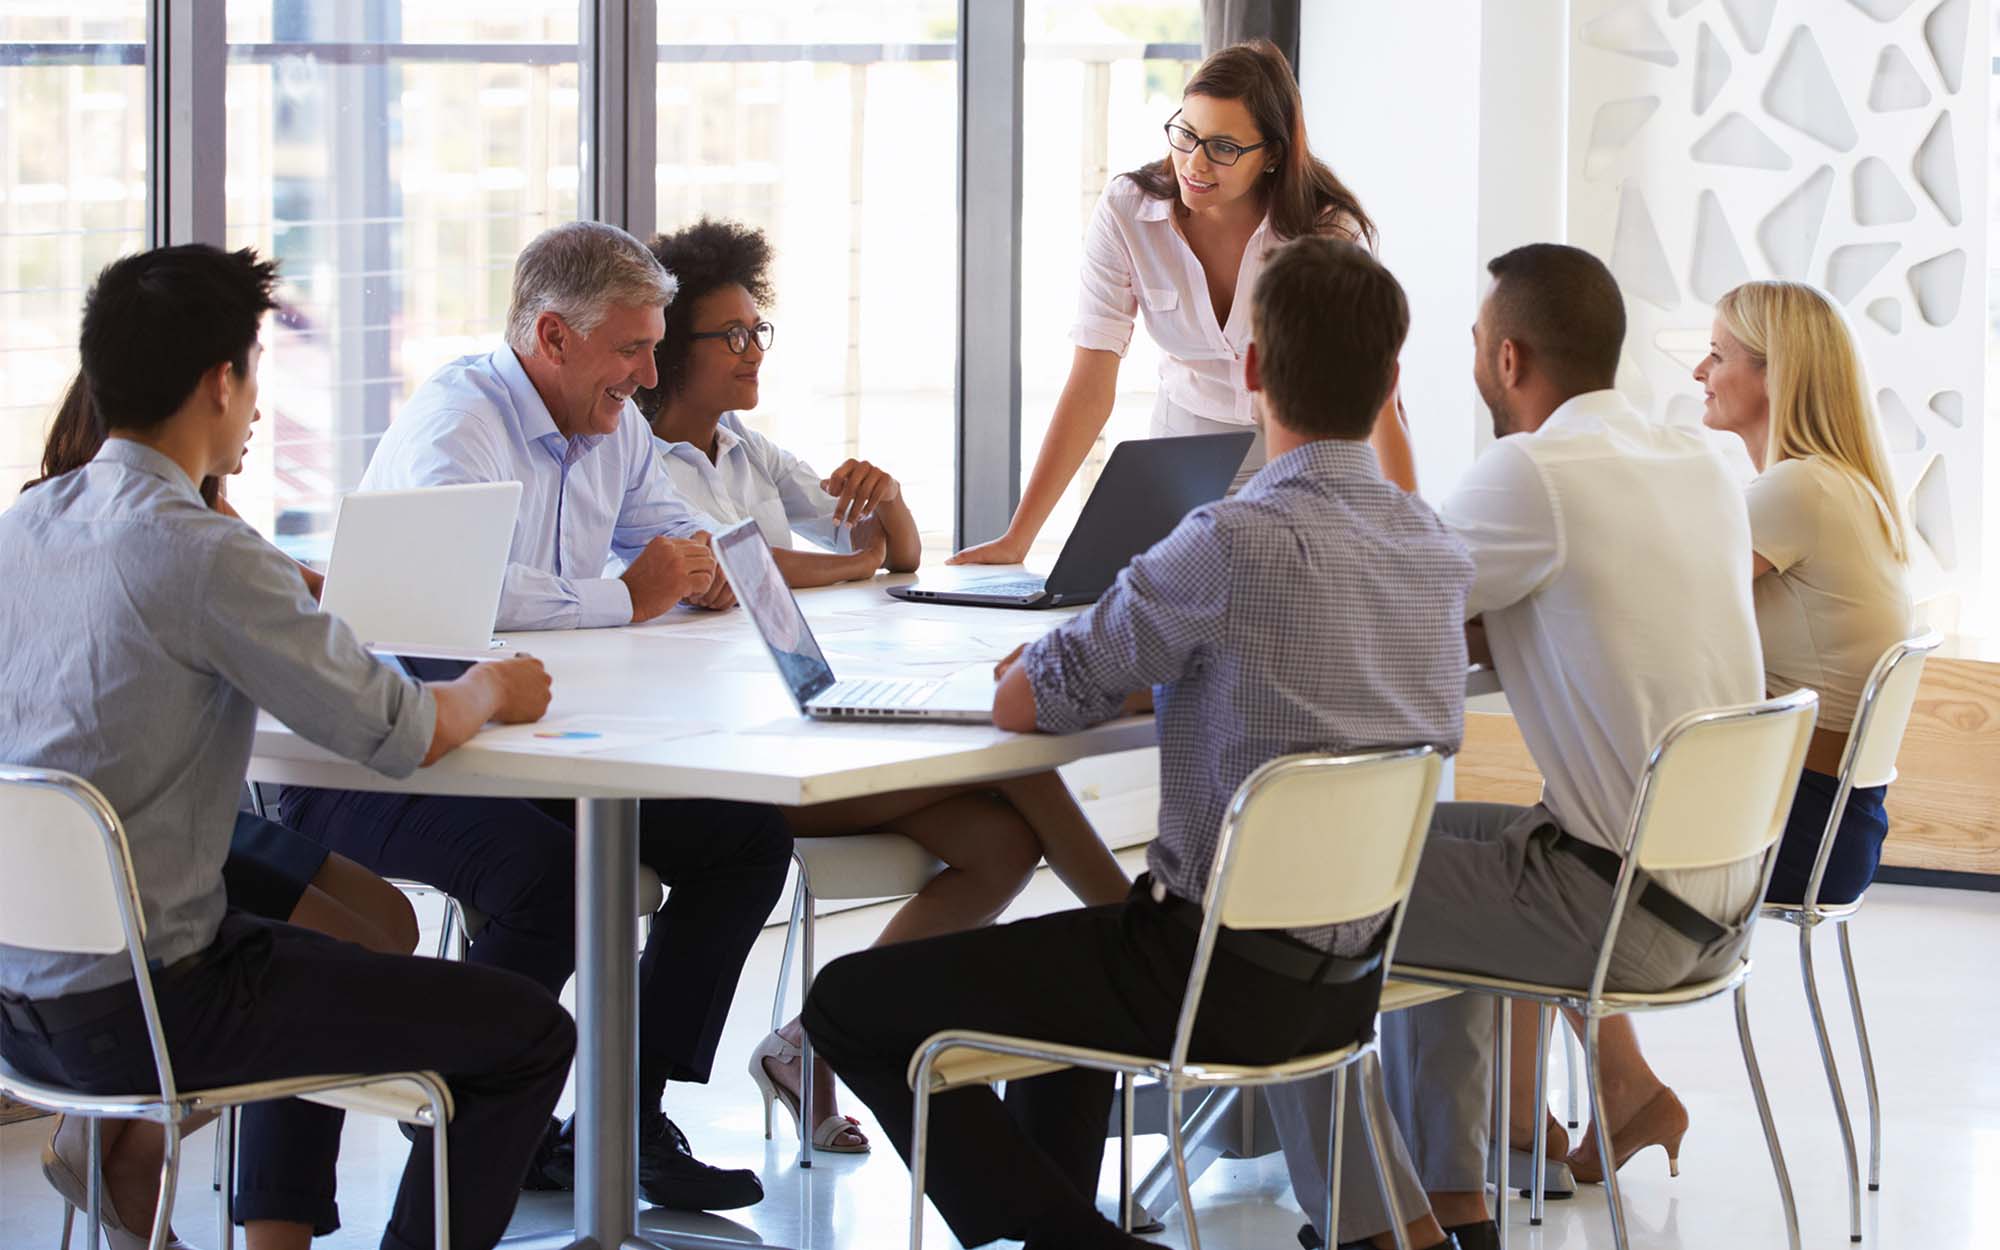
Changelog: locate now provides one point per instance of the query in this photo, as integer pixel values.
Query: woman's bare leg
(1075, 853)
(351, 903)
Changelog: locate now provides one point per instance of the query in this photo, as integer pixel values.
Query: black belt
(1666, 906)
(43, 1016)
(1273, 951)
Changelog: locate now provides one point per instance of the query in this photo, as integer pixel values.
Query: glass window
(72, 194)
(1101, 79)
(832, 125)
(395, 156)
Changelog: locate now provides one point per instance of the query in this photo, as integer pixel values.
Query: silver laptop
(965, 696)
(419, 572)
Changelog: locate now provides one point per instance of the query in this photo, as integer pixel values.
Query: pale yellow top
(1836, 597)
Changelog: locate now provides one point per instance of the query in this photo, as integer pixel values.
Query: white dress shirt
(583, 499)
(753, 478)
(1135, 260)
(1613, 573)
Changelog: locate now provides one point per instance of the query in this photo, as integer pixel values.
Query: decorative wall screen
(1838, 142)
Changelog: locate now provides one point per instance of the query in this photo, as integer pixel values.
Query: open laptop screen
(761, 589)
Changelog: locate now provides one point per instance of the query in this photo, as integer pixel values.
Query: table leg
(607, 1015)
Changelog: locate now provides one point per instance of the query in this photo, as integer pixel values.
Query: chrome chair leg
(1601, 1126)
(1867, 1061)
(1126, 1116)
(920, 1141)
(1569, 1064)
(1764, 1115)
(1378, 1150)
(1503, 1054)
(1330, 1212)
(791, 948)
(95, 1156)
(225, 1200)
(1177, 1148)
(806, 1123)
(170, 1175)
(1832, 1082)
(1544, 1017)
(440, 1163)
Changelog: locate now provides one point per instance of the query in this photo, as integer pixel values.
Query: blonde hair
(1818, 393)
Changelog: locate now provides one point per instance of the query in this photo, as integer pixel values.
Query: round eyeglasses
(1224, 152)
(737, 337)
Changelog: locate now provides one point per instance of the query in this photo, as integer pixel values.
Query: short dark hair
(1563, 305)
(154, 323)
(704, 257)
(1329, 321)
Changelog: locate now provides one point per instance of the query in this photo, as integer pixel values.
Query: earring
(1270, 169)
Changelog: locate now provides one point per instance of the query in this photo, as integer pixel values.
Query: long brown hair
(1303, 197)
(76, 434)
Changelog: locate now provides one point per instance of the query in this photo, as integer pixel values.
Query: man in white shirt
(1612, 581)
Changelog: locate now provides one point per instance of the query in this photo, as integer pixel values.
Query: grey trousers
(1492, 896)
(1170, 418)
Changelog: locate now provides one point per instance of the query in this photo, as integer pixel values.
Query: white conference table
(690, 706)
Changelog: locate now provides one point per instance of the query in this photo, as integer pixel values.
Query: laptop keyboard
(870, 692)
(1023, 586)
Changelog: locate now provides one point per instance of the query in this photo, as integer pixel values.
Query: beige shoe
(837, 1134)
(65, 1174)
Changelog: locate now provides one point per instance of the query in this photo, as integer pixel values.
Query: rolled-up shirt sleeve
(1163, 616)
(266, 637)
(1106, 301)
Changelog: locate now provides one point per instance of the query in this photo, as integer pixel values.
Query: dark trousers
(1110, 977)
(267, 1001)
(515, 860)
(1857, 848)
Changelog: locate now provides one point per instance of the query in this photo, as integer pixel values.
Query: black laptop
(1148, 485)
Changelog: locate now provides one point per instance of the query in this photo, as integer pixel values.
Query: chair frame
(1176, 1073)
(1596, 1004)
(1810, 913)
(173, 1106)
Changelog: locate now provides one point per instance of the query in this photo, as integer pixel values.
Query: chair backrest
(1718, 787)
(68, 880)
(1319, 839)
(1883, 712)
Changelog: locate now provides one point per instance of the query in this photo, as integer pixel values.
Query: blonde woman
(1830, 554)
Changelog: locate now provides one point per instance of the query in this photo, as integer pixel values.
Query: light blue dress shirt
(583, 499)
(754, 478)
(140, 631)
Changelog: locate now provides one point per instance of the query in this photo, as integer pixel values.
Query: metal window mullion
(991, 47)
(187, 57)
(619, 63)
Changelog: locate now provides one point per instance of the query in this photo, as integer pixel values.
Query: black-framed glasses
(737, 338)
(1224, 152)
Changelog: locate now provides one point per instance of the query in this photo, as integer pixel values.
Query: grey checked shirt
(139, 634)
(1321, 609)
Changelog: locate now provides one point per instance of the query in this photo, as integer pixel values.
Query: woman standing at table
(1178, 241)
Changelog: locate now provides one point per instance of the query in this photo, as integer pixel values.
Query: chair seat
(1622, 1000)
(865, 865)
(965, 1065)
(1799, 913)
(393, 1096)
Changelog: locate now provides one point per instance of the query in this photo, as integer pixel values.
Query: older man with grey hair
(552, 409)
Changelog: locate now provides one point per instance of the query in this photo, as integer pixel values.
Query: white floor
(1927, 965)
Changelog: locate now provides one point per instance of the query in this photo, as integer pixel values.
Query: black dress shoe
(1482, 1235)
(1094, 1233)
(553, 1169)
(1311, 1241)
(670, 1176)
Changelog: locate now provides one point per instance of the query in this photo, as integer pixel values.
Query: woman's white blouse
(1136, 261)
(753, 478)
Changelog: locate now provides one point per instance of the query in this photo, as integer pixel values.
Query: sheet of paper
(940, 732)
(587, 735)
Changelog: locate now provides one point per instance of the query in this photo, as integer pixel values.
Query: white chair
(69, 889)
(1873, 742)
(1308, 840)
(856, 866)
(1716, 791)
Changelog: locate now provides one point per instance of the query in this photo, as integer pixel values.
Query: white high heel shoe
(66, 1176)
(827, 1134)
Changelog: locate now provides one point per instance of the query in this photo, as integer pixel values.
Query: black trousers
(515, 860)
(267, 1001)
(1110, 977)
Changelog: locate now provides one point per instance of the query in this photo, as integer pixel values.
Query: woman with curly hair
(709, 359)
(990, 837)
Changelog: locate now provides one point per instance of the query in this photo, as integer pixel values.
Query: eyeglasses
(1222, 151)
(738, 337)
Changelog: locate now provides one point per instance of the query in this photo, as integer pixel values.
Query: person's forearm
(464, 705)
(1080, 416)
(801, 569)
(898, 527)
(1014, 702)
(314, 580)
(1391, 441)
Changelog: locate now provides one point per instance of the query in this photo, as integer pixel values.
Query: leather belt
(1666, 906)
(1271, 951)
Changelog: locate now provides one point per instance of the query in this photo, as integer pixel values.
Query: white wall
(1446, 118)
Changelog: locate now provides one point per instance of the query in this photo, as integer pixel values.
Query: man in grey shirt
(141, 634)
